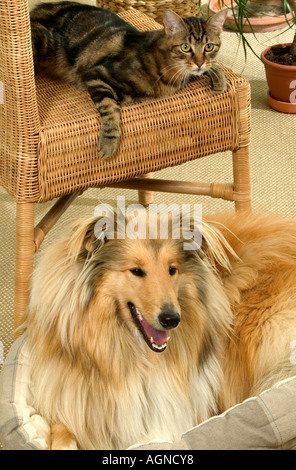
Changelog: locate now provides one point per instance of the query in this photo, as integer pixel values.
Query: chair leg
(146, 197)
(242, 179)
(24, 258)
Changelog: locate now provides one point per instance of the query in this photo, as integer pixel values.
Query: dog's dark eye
(172, 270)
(137, 272)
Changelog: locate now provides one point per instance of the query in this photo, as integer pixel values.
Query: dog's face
(147, 289)
(139, 284)
(143, 277)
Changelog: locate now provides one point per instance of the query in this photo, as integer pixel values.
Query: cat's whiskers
(174, 78)
(181, 76)
(212, 71)
(166, 70)
(186, 78)
(168, 67)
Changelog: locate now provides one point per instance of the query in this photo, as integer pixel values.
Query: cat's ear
(216, 21)
(173, 23)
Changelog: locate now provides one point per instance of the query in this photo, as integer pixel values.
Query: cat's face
(193, 42)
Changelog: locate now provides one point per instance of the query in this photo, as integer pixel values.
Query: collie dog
(137, 339)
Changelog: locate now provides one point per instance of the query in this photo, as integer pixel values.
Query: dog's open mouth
(156, 339)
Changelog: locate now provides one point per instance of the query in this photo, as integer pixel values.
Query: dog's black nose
(169, 319)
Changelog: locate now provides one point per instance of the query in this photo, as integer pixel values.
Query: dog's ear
(98, 233)
(203, 248)
(108, 225)
(87, 235)
(91, 242)
(215, 246)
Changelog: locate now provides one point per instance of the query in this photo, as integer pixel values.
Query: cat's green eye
(209, 47)
(185, 47)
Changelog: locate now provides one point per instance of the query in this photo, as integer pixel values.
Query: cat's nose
(199, 64)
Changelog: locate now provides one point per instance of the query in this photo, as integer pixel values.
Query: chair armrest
(19, 121)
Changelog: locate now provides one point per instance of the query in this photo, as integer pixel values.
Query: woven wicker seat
(48, 138)
(153, 8)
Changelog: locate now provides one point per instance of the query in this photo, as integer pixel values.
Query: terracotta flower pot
(263, 24)
(281, 80)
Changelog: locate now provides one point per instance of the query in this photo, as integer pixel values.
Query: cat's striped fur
(95, 50)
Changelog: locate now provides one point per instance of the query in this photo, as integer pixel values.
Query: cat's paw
(217, 77)
(220, 87)
(108, 145)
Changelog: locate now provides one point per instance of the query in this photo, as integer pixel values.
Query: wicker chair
(48, 139)
(153, 8)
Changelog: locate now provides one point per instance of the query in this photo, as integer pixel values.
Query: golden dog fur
(96, 378)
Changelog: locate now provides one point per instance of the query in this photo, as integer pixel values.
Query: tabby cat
(95, 50)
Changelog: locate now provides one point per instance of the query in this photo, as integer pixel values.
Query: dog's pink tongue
(159, 337)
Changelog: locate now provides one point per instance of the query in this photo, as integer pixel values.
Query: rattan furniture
(48, 139)
(153, 8)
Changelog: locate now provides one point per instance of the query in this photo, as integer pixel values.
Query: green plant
(240, 14)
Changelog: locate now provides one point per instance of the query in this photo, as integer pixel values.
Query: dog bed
(263, 422)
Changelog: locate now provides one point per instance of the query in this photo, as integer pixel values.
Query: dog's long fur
(97, 381)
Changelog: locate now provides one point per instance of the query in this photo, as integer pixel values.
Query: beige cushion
(263, 422)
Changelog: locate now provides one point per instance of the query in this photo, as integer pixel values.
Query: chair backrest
(19, 122)
(153, 8)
